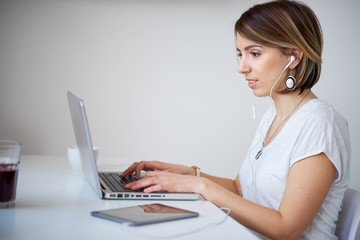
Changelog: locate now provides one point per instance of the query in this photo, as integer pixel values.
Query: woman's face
(261, 66)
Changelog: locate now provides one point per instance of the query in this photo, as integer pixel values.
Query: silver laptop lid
(83, 141)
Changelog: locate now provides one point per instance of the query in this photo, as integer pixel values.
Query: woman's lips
(251, 83)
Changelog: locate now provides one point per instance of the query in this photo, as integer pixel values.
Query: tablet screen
(145, 214)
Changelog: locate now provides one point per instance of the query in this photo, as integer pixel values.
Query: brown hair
(287, 24)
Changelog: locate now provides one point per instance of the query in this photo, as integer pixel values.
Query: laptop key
(116, 183)
(107, 181)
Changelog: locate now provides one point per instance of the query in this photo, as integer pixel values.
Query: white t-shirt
(315, 128)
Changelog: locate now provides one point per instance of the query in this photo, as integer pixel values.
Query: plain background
(159, 78)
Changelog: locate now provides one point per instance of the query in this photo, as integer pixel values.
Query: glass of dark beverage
(10, 152)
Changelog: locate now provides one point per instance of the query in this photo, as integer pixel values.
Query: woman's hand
(170, 182)
(156, 165)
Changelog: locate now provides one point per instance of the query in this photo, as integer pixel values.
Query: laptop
(108, 185)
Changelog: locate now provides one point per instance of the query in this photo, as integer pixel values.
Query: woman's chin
(258, 93)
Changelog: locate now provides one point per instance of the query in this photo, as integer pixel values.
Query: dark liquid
(8, 178)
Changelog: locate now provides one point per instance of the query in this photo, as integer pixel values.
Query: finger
(146, 166)
(139, 167)
(153, 188)
(136, 168)
(158, 173)
(145, 182)
(132, 184)
(129, 171)
(152, 173)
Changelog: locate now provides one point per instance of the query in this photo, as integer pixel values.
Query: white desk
(61, 210)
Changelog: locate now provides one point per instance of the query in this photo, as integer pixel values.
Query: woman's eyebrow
(249, 47)
(252, 46)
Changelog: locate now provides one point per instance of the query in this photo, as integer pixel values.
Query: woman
(293, 178)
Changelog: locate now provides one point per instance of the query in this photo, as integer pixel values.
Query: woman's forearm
(248, 213)
(227, 183)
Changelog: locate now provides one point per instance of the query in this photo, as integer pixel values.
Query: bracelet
(197, 171)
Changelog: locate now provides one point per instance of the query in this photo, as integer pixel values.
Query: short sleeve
(322, 132)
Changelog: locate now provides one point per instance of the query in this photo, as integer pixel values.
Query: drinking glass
(10, 152)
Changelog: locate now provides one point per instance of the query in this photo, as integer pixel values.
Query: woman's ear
(298, 54)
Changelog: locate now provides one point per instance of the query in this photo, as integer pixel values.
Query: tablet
(145, 214)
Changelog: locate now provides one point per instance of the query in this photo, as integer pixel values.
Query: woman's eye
(255, 54)
(239, 56)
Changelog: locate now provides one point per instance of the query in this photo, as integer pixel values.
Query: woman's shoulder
(318, 108)
(318, 111)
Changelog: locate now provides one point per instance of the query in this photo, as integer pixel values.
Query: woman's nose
(243, 67)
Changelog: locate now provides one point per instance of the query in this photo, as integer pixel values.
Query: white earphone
(290, 80)
(292, 59)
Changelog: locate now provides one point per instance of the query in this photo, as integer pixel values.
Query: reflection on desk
(54, 202)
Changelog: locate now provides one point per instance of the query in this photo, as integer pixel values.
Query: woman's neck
(285, 103)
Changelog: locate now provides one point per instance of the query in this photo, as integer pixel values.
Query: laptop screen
(83, 141)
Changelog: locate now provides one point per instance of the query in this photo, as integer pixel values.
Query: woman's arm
(308, 184)
(229, 184)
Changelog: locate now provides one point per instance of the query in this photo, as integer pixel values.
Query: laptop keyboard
(117, 183)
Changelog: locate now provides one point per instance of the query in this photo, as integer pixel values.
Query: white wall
(159, 78)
